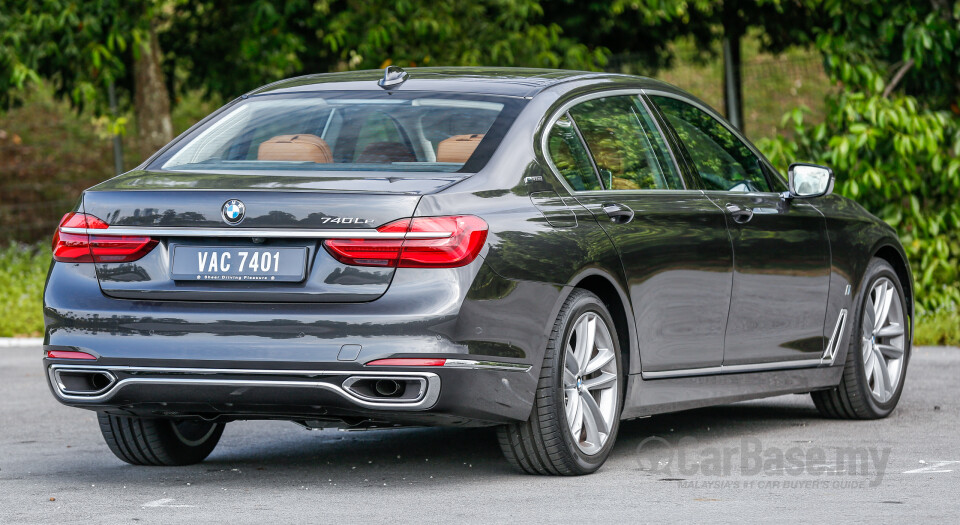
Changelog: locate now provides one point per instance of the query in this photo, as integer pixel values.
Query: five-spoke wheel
(576, 410)
(590, 383)
(878, 351)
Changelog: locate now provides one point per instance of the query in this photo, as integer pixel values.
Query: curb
(7, 342)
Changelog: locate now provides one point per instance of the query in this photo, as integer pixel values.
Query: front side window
(627, 148)
(347, 131)
(723, 161)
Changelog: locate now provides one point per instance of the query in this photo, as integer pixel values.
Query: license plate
(193, 263)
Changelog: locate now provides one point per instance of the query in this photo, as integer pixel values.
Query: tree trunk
(151, 101)
(732, 81)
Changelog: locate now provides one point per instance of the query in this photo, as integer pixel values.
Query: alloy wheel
(590, 383)
(883, 339)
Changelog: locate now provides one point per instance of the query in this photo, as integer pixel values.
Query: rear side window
(627, 148)
(570, 157)
(347, 131)
(723, 161)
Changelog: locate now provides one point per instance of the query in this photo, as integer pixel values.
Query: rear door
(781, 251)
(672, 241)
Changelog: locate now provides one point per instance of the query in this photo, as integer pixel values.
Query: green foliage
(369, 34)
(78, 46)
(938, 328)
(890, 133)
(23, 270)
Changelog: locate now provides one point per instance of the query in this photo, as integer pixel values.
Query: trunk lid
(284, 216)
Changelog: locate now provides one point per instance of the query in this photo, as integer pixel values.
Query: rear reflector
(456, 241)
(407, 361)
(85, 248)
(64, 354)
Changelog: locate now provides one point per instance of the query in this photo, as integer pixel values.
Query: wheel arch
(890, 252)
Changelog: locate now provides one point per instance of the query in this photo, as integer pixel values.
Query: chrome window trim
(562, 110)
(365, 233)
(733, 369)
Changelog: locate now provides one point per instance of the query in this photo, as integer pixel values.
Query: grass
(23, 270)
(938, 328)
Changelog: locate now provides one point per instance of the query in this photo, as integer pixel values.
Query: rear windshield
(347, 131)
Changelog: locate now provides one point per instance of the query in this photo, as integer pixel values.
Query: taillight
(428, 242)
(65, 354)
(82, 247)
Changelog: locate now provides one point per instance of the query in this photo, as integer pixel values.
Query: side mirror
(809, 180)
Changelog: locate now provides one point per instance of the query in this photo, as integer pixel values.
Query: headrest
(298, 148)
(457, 148)
(385, 153)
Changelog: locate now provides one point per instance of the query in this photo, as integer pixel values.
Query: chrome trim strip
(426, 401)
(486, 365)
(830, 353)
(732, 369)
(364, 233)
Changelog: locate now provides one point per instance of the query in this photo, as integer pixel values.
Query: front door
(781, 252)
(672, 241)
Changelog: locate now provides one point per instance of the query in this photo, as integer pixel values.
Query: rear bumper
(470, 393)
(290, 360)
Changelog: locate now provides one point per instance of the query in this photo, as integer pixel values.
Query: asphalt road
(762, 460)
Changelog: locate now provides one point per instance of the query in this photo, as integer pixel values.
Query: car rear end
(274, 262)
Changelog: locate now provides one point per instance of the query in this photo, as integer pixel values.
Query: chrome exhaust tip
(388, 389)
(83, 382)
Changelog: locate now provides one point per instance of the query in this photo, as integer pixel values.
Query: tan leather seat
(457, 148)
(297, 148)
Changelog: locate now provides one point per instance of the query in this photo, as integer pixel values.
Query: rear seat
(457, 148)
(297, 148)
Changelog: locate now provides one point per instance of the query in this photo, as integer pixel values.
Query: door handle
(740, 215)
(618, 213)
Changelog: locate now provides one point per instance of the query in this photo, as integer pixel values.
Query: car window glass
(723, 161)
(570, 157)
(334, 131)
(626, 146)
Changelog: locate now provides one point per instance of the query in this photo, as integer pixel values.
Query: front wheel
(879, 350)
(576, 411)
(162, 442)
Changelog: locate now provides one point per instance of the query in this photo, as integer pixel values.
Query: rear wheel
(576, 412)
(879, 350)
(163, 442)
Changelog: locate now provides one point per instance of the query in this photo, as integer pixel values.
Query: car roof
(503, 81)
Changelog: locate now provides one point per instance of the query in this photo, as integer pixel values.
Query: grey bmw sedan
(547, 252)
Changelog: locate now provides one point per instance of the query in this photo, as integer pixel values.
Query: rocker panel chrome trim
(733, 369)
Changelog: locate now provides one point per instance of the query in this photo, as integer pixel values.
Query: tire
(545, 443)
(856, 397)
(159, 442)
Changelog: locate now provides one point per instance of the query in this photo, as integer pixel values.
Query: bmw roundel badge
(232, 211)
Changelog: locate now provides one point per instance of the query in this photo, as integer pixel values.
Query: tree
(645, 28)
(82, 48)
(892, 131)
(154, 49)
